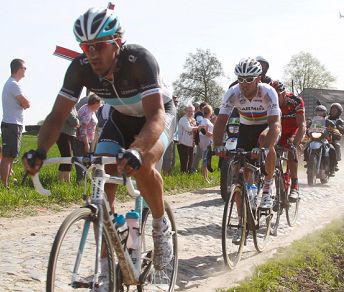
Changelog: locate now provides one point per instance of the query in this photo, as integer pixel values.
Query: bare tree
(305, 71)
(198, 81)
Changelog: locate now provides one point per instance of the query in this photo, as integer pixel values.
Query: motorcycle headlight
(233, 129)
(316, 135)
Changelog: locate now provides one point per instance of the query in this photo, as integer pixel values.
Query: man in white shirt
(14, 102)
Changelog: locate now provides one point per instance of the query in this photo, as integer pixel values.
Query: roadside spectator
(103, 114)
(82, 101)
(186, 127)
(206, 137)
(14, 102)
(169, 159)
(88, 122)
(66, 142)
(197, 151)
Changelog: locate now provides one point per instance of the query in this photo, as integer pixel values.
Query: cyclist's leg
(247, 140)
(150, 184)
(269, 143)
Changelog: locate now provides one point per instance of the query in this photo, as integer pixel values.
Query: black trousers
(185, 157)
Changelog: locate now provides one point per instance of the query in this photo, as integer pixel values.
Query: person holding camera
(206, 137)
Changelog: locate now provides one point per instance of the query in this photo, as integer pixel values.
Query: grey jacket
(70, 124)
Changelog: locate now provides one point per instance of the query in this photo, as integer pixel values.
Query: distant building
(325, 96)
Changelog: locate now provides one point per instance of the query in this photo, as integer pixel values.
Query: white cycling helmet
(96, 23)
(248, 67)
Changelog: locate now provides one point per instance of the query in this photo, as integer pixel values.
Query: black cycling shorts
(120, 131)
(248, 136)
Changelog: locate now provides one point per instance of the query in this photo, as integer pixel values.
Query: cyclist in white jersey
(258, 107)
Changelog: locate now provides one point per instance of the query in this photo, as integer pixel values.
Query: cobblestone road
(25, 242)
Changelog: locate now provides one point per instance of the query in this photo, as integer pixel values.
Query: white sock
(160, 223)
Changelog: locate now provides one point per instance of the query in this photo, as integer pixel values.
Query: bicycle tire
(262, 231)
(64, 250)
(292, 211)
(232, 251)
(165, 279)
(277, 208)
(226, 178)
(312, 169)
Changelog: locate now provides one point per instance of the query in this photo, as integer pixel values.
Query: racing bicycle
(239, 218)
(282, 189)
(89, 242)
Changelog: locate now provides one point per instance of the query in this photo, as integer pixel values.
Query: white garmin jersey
(256, 111)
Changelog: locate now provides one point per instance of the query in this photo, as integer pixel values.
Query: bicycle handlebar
(84, 161)
(238, 151)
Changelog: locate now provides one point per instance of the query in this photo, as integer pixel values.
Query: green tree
(198, 81)
(305, 71)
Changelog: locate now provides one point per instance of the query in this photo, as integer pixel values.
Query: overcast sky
(171, 30)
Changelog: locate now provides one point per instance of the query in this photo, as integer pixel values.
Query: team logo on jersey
(83, 61)
(253, 108)
(242, 101)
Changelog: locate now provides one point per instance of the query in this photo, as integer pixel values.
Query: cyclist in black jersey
(143, 118)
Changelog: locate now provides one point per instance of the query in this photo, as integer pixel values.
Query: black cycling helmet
(338, 106)
(278, 85)
(261, 60)
(321, 110)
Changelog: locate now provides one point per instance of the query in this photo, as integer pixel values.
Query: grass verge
(315, 263)
(21, 198)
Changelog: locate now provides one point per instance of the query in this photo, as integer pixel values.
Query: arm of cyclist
(274, 124)
(48, 134)
(218, 132)
(301, 130)
(149, 135)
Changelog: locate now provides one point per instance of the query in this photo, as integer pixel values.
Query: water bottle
(122, 228)
(254, 194)
(132, 219)
(248, 189)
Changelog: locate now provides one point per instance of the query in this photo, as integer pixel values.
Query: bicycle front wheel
(158, 280)
(73, 256)
(234, 227)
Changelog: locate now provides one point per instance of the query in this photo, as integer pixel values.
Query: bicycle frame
(240, 157)
(131, 272)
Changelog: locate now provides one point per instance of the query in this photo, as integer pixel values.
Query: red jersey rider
(293, 129)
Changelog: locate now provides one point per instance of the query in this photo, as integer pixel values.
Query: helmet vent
(111, 25)
(77, 27)
(97, 22)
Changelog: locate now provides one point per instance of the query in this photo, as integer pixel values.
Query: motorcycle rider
(293, 123)
(321, 111)
(335, 111)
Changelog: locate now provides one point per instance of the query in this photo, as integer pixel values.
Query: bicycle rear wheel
(234, 227)
(292, 211)
(154, 280)
(277, 208)
(78, 232)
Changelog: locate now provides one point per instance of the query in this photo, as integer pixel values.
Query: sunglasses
(98, 46)
(246, 79)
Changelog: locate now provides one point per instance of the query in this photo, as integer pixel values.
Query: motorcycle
(228, 175)
(318, 151)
